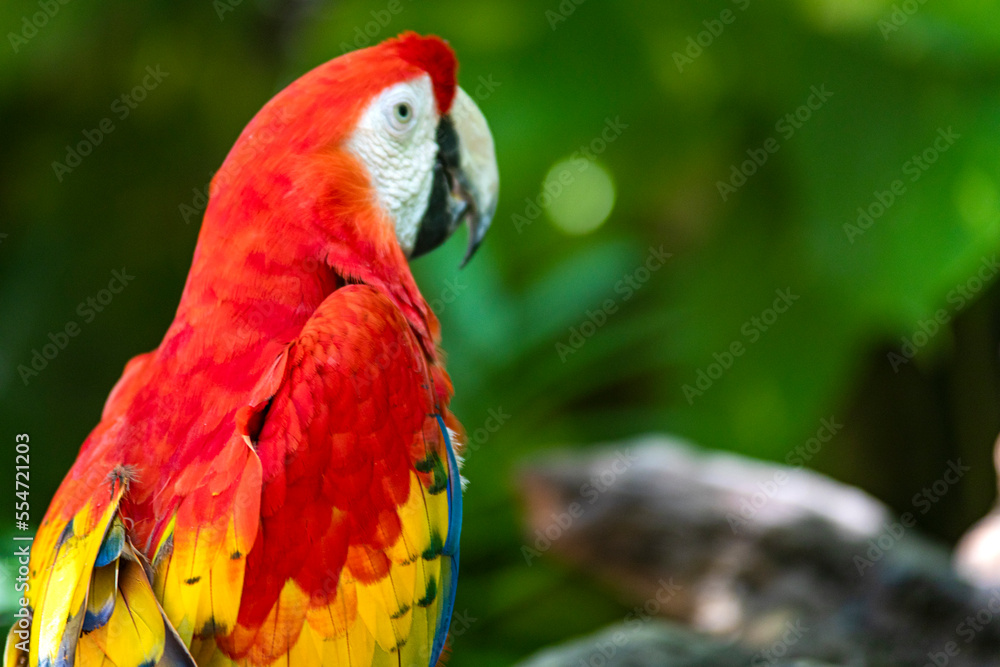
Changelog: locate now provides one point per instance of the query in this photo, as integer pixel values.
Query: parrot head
(429, 153)
(425, 145)
(379, 142)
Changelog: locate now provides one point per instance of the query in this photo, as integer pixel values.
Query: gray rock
(744, 550)
(655, 643)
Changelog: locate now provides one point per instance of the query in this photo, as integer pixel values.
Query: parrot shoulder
(356, 554)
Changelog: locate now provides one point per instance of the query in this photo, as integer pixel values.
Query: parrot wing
(355, 557)
(324, 531)
(90, 590)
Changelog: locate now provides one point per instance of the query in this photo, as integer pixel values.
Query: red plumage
(300, 333)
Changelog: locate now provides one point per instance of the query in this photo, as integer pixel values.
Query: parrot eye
(403, 112)
(400, 113)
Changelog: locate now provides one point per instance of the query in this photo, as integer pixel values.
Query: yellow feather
(207, 654)
(402, 579)
(103, 588)
(334, 619)
(89, 654)
(355, 647)
(135, 634)
(414, 517)
(225, 586)
(373, 610)
(304, 653)
(169, 587)
(61, 577)
(437, 513)
(12, 655)
(421, 636)
(379, 607)
(168, 532)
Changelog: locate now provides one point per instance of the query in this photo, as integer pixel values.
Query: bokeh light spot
(578, 195)
(978, 201)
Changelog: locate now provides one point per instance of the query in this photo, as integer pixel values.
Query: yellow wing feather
(135, 634)
(62, 560)
(390, 621)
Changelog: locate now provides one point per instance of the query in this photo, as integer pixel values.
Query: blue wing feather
(450, 553)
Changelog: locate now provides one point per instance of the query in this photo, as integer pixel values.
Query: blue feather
(449, 581)
(111, 547)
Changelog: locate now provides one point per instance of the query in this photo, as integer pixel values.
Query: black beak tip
(478, 225)
(469, 253)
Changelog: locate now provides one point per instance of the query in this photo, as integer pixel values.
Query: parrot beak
(466, 179)
(477, 178)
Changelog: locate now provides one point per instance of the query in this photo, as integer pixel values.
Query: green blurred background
(551, 81)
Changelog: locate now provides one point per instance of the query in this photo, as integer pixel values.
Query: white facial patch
(396, 142)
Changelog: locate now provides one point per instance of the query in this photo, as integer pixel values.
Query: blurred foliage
(554, 85)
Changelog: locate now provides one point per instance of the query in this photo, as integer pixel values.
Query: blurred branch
(757, 554)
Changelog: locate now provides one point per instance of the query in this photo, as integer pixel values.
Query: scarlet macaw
(278, 482)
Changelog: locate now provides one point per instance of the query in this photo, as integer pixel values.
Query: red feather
(272, 345)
